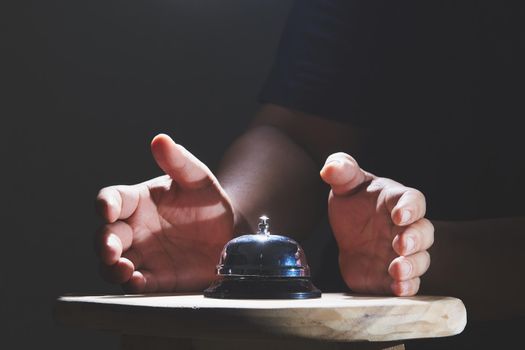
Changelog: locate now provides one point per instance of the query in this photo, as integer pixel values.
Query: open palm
(380, 229)
(165, 234)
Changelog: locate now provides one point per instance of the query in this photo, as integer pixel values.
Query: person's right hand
(165, 234)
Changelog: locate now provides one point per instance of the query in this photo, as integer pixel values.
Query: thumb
(182, 166)
(343, 174)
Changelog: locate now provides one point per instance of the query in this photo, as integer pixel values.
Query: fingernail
(109, 204)
(113, 242)
(405, 268)
(405, 216)
(410, 244)
(334, 162)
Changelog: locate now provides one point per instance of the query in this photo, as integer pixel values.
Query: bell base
(262, 288)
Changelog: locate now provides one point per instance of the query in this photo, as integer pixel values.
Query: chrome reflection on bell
(262, 266)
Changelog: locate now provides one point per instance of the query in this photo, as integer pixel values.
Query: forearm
(265, 172)
(480, 262)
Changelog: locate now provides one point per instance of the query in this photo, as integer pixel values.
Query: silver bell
(262, 266)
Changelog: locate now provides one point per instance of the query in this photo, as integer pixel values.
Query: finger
(406, 205)
(181, 165)
(117, 202)
(144, 281)
(343, 174)
(376, 280)
(406, 288)
(120, 272)
(416, 237)
(111, 240)
(136, 283)
(404, 268)
(135, 256)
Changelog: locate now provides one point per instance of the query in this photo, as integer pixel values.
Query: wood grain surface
(334, 317)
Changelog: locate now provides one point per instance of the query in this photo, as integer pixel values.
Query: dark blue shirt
(439, 83)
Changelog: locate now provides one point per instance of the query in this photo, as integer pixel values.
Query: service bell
(262, 266)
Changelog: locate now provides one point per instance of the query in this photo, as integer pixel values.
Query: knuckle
(420, 196)
(416, 193)
(416, 197)
(427, 224)
(422, 261)
(101, 193)
(428, 231)
(122, 189)
(105, 231)
(424, 227)
(416, 282)
(419, 199)
(427, 259)
(391, 192)
(417, 231)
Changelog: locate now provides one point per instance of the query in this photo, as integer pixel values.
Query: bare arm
(165, 234)
(273, 169)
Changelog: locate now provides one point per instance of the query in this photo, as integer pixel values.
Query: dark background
(87, 84)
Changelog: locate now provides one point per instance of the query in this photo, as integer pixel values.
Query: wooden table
(335, 321)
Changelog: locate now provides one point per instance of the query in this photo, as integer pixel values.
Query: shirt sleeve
(323, 59)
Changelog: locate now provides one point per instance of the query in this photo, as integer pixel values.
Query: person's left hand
(380, 229)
